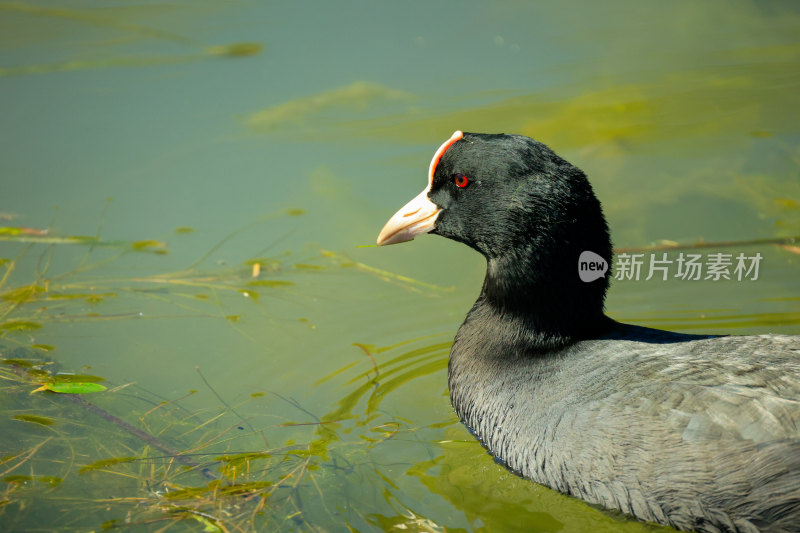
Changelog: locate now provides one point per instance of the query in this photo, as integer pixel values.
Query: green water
(313, 396)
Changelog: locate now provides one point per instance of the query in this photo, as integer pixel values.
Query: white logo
(591, 266)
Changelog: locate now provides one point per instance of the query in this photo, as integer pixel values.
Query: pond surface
(190, 189)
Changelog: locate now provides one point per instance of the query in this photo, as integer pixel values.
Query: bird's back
(697, 432)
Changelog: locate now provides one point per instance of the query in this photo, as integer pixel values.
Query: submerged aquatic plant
(33, 17)
(128, 456)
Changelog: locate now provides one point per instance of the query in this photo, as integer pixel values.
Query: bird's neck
(542, 301)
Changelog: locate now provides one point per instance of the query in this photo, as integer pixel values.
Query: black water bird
(697, 432)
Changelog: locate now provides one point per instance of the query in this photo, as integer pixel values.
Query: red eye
(461, 180)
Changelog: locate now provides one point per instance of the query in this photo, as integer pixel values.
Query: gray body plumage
(701, 433)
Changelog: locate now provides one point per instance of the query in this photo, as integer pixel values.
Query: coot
(697, 432)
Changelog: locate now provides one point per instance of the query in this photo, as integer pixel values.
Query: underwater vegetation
(110, 453)
(30, 15)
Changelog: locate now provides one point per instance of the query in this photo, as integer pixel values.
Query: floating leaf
(50, 480)
(71, 388)
(269, 283)
(145, 245)
(105, 463)
(23, 294)
(17, 479)
(19, 362)
(44, 347)
(35, 419)
(18, 325)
